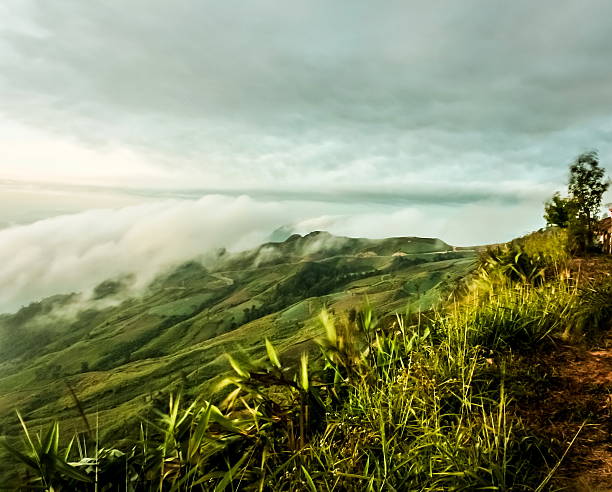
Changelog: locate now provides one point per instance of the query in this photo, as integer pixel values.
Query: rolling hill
(120, 349)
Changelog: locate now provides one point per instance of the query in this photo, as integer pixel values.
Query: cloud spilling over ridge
(459, 226)
(73, 253)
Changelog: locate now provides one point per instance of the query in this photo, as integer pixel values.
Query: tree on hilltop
(587, 185)
(586, 188)
(579, 212)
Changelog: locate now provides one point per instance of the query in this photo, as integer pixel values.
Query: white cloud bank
(75, 252)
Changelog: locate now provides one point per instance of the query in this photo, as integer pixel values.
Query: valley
(121, 351)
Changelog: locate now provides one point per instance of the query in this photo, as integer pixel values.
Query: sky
(128, 128)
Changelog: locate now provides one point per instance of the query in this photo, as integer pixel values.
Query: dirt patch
(574, 400)
(594, 269)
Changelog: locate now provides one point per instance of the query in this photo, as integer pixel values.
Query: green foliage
(523, 293)
(594, 309)
(520, 316)
(44, 457)
(530, 260)
(514, 264)
(587, 185)
(550, 246)
(107, 288)
(580, 212)
(557, 211)
(580, 235)
(411, 402)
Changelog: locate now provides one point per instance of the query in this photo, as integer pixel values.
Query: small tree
(557, 211)
(586, 188)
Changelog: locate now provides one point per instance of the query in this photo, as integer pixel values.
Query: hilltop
(120, 350)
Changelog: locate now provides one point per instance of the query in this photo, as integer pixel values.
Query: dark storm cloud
(269, 91)
(424, 194)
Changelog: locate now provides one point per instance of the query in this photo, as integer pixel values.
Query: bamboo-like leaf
(33, 447)
(227, 382)
(71, 471)
(229, 400)
(330, 328)
(197, 438)
(272, 355)
(223, 421)
(237, 368)
(186, 414)
(304, 380)
(51, 440)
(367, 317)
(178, 485)
(309, 481)
(264, 458)
(27, 460)
(69, 447)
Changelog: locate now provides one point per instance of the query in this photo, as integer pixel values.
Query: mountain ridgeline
(119, 349)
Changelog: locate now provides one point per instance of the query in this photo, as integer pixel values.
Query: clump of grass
(593, 313)
(45, 459)
(551, 245)
(518, 316)
(422, 424)
(532, 259)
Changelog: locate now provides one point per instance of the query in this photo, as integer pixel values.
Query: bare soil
(574, 400)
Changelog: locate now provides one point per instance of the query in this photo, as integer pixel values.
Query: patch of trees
(312, 280)
(107, 288)
(17, 342)
(31, 331)
(124, 352)
(49, 371)
(401, 262)
(27, 313)
(578, 212)
(315, 280)
(451, 255)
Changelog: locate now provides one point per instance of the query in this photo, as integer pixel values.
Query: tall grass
(419, 403)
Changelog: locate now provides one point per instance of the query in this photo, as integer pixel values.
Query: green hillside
(269, 370)
(121, 352)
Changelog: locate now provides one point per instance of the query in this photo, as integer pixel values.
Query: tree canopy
(587, 185)
(557, 211)
(580, 210)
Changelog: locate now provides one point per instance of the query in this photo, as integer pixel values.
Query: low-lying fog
(73, 252)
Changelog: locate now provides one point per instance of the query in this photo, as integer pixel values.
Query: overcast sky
(447, 118)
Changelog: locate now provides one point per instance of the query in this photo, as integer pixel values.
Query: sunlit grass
(418, 402)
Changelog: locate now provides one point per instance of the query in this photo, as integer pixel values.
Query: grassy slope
(190, 317)
(482, 395)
